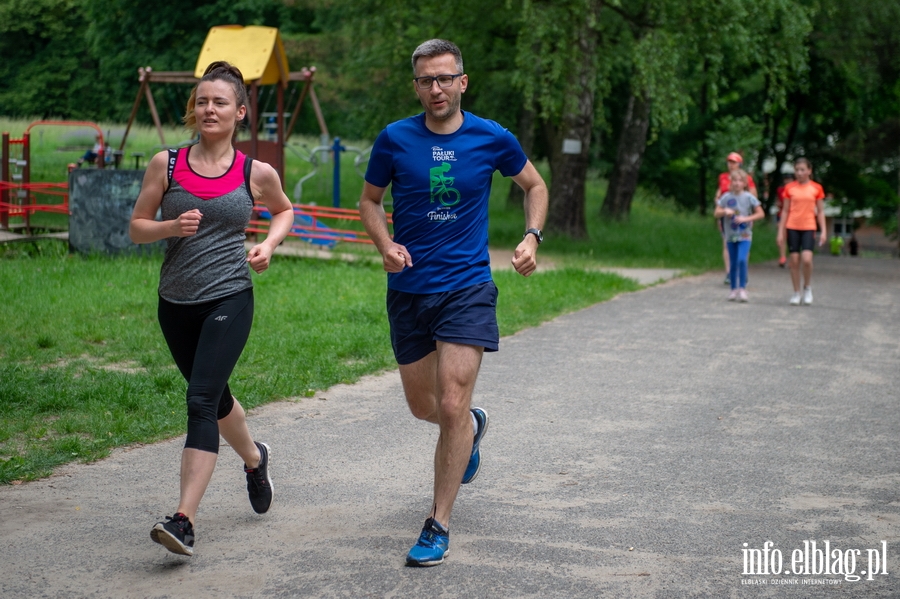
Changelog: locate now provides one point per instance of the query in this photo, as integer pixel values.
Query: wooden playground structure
(259, 53)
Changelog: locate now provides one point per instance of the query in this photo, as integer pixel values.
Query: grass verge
(84, 367)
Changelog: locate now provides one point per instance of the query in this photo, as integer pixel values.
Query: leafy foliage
(773, 78)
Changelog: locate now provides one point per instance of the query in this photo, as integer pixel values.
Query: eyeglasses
(443, 81)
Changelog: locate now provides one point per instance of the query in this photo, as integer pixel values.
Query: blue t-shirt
(440, 185)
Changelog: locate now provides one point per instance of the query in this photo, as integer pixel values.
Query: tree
(850, 124)
(652, 67)
(46, 63)
(560, 70)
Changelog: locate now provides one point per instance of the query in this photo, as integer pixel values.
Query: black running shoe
(259, 484)
(176, 534)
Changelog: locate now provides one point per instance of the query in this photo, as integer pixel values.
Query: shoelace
(432, 534)
(256, 477)
(182, 522)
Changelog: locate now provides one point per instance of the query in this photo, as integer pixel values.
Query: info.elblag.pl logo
(814, 559)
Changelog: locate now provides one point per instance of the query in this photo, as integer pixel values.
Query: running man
(441, 299)
(803, 205)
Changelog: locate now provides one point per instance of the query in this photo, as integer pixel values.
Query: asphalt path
(644, 447)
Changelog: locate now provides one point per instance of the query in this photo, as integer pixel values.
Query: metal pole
(337, 148)
(254, 119)
(26, 178)
(279, 120)
(4, 176)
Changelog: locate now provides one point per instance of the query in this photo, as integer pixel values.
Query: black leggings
(206, 341)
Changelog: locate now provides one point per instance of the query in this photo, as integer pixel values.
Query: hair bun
(224, 67)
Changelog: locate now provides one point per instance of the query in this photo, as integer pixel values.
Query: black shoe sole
(414, 564)
(162, 536)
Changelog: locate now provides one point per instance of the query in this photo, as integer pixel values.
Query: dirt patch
(125, 366)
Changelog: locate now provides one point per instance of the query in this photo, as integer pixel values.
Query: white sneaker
(807, 296)
(795, 299)
(742, 295)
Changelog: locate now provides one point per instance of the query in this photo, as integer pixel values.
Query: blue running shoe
(432, 547)
(475, 461)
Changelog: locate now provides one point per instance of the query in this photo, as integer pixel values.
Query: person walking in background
(804, 209)
(441, 299)
(738, 209)
(206, 194)
(734, 161)
(779, 204)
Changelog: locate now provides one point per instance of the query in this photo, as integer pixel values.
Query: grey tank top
(212, 263)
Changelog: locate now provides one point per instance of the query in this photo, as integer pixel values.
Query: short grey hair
(437, 47)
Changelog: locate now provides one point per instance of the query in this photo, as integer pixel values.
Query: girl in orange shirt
(803, 206)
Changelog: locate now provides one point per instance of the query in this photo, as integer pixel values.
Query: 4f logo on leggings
(220, 318)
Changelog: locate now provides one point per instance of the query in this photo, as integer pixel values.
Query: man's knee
(454, 407)
(422, 408)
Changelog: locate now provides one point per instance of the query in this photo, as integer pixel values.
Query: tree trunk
(764, 188)
(704, 197)
(780, 156)
(629, 156)
(570, 141)
(516, 197)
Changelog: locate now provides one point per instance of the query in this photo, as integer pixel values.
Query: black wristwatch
(537, 233)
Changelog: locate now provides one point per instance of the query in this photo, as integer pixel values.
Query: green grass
(84, 367)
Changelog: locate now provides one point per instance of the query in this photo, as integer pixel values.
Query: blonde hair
(218, 71)
(742, 176)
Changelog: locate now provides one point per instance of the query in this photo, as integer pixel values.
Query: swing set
(259, 53)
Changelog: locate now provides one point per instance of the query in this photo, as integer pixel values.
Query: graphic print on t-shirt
(442, 187)
(735, 227)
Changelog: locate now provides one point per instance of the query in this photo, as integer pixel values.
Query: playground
(82, 202)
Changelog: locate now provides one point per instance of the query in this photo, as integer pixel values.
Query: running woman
(206, 194)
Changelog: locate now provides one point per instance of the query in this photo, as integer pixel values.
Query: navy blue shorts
(418, 321)
(800, 241)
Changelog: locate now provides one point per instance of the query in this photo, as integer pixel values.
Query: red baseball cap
(734, 156)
